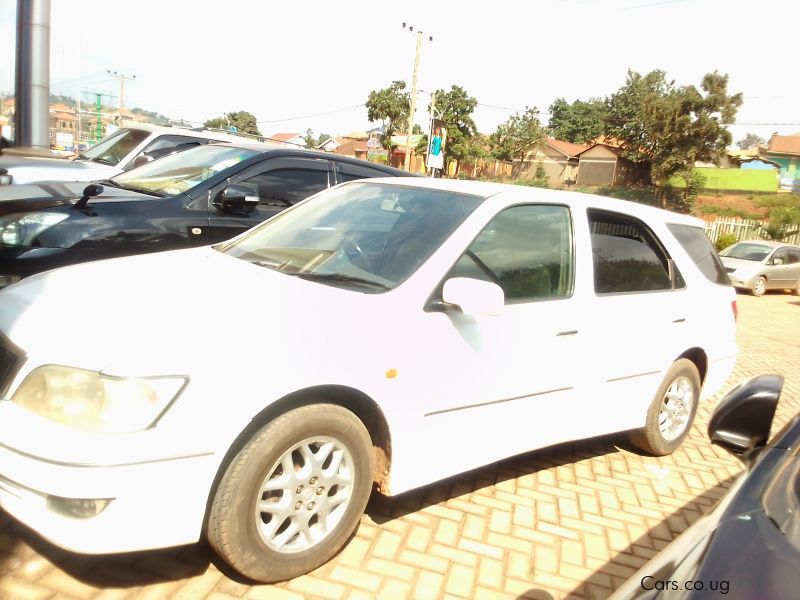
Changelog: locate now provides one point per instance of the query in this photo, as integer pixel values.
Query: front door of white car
(500, 384)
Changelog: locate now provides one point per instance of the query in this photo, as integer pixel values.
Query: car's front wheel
(672, 411)
(294, 494)
(759, 286)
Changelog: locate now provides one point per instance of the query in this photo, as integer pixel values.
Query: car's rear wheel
(672, 411)
(759, 286)
(796, 288)
(293, 495)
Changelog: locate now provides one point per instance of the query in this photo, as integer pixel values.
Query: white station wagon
(380, 334)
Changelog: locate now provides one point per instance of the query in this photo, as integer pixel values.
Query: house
(559, 160)
(331, 144)
(354, 148)
(784, 150)
(398, 156)
(602, 164)
(289, 139)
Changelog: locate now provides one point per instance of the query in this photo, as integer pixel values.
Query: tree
(244, 122)
(455, 108)
(783, 218)
(515, 138)
(579, 122)
(750, 140)
(390, 106)
(670, 128)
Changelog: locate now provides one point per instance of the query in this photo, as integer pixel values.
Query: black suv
(201, 196)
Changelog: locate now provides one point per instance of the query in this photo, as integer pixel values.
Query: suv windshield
(115, 147)
(747, 251)
(364, 236)
(180, 172)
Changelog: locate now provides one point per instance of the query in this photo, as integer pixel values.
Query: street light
(413, 109)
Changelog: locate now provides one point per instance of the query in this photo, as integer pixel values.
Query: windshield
(365, 236)
(747, 251)
(111, 150)
(180, 172)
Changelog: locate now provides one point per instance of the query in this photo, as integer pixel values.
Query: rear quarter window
(699, 248)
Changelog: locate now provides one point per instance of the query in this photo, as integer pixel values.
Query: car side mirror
(742, 419)
(235, 198)
(140, 160)
(776, 261)
(473, 296)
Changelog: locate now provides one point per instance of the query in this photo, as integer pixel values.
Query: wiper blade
(110, 182)
(340, 277)
(142, 191)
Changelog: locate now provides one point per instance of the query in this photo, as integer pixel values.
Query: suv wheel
(672, 410)
(294, 494)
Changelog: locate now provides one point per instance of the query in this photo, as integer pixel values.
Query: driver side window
(526, 250)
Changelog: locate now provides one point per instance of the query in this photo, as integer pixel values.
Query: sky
(312, 64)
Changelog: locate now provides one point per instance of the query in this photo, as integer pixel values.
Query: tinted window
(349, 172)
(699, 248)
(747, 251)
(284, 187)
(782, 256)
(794, 256)
(627, 257)
(526, 250)
(170, 141)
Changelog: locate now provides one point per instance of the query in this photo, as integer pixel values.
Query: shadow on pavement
(611, 575)
(18, 544)
(382, 508)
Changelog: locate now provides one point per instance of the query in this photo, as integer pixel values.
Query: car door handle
(680, 320)
(569, 332)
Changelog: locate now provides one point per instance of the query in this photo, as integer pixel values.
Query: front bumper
(150, 505)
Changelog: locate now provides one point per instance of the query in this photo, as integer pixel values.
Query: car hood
(46, 194)
(740, 263)
(170, 311)
(27, 169)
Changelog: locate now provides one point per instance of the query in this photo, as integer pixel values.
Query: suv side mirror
(236, 198)
(140, 160)
(473, 296)
(742, 419)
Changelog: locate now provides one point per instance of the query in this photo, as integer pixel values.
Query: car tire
(759, 286)
(669, 419)
(796, 289)
(293, 495)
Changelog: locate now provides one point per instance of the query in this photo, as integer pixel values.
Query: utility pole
(122, 78)
(413, 107)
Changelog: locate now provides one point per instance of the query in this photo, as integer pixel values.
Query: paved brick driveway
(571, 521)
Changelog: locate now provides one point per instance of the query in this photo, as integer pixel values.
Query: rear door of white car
(640, 318)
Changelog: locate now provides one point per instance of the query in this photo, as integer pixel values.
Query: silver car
(758, 266)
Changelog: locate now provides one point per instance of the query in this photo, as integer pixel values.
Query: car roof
(526, 193)
(768, 243)
(200, 132)
(304, 152)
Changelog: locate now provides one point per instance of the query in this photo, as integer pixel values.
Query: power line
(322, 114)
(637, 6)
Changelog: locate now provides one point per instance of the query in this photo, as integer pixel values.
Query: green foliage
(540, 178)
(390, 106)
(725, 240)
(670, 127)
(455, 108)
(725, 211)
(518, 136)
(580, 122)
(784, 221)
(314, 142)
(244, 122)
(750, 140)
(643, 195)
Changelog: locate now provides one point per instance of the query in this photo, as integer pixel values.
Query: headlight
(21, 229)
(95, 402)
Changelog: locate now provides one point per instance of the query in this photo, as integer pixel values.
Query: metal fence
(743, 229)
